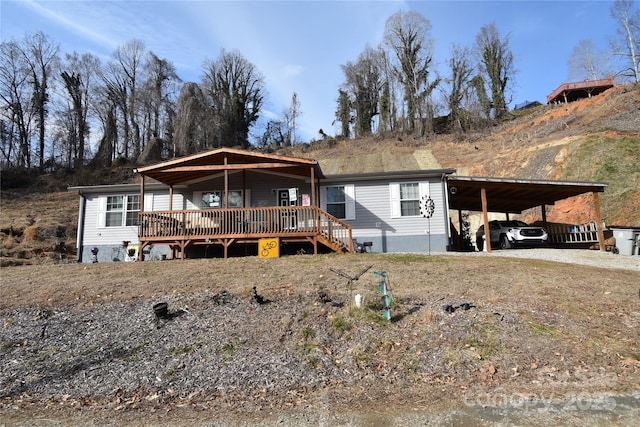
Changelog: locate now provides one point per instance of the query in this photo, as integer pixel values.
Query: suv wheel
(504, 242)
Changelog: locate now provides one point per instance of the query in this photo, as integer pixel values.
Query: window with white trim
(405, 198)
(121, 211)
(336, 199)
(409, 199)
(339, 201)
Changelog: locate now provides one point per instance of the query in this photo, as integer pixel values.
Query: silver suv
(507, 234)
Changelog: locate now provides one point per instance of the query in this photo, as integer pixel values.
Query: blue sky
(299, 46)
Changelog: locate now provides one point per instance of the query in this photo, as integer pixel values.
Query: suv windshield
(513, 224)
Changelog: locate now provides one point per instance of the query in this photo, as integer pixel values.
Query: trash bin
(626, 239)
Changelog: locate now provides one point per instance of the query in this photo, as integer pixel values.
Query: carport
(514, 195)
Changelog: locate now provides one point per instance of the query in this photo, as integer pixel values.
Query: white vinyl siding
(95, 233)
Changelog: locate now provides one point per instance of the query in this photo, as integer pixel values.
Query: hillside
(596, 139)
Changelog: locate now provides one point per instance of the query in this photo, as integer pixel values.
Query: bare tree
(588, 62)
(16, 108)
(235, 88)
(363, 83)
(160, 89)
(120, 78)
(294, 113)
(41, 56)
(190, 122)
(343, 114)
(460, 82)
(276, 135)
(627, 46)
(496, 66)
(78, 75)
(408, 36)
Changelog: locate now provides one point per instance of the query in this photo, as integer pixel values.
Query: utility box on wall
(269, 248)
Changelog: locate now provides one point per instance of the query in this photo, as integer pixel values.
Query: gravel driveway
(572, 256)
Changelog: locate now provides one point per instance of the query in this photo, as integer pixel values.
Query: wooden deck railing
(580, 85)
(262, 222)
(573, 234)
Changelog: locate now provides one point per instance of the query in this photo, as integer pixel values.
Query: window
(339, 201)
(215, 199)
(120, 211)
(212, 199)
(235, 198)
(336, 201)
(405, 198)
(133, 210)
(409, 199)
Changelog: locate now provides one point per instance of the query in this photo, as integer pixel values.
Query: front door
(288, 217)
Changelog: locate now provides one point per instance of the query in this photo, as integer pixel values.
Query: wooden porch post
(485, 215)
(596, 200)
(142, 244)
(171, 197)
(141, 193)
(460, 229)
(226, 185)
(313, 187)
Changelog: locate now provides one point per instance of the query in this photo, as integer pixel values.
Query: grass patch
(415, 258)
(228, 349)
(308, 335)
(543, 329)
(341, 324)
(185, 349)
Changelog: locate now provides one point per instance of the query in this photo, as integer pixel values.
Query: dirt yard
(474, 340)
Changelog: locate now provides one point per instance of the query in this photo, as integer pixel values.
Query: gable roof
(202, 165)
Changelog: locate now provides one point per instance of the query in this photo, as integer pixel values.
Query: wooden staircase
(334, 233)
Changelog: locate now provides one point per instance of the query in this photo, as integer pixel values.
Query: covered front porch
(232, 197)
(225, 227)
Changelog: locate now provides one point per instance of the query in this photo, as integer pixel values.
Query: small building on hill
(526, 105)
(570, 92)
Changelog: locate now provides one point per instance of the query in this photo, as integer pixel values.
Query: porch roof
(202, 165)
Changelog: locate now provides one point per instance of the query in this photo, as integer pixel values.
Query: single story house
(226, 202)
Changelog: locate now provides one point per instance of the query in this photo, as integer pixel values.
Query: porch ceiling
(512, 195)
(202, 165)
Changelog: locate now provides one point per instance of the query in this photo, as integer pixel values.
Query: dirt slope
(594, 139)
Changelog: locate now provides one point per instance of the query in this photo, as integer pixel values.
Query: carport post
(596, 200)
(485, 215)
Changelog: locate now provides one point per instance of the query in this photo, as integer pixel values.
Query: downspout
(447, 225)
(80, 236)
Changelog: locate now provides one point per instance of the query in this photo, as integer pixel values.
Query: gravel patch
(591, 258)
